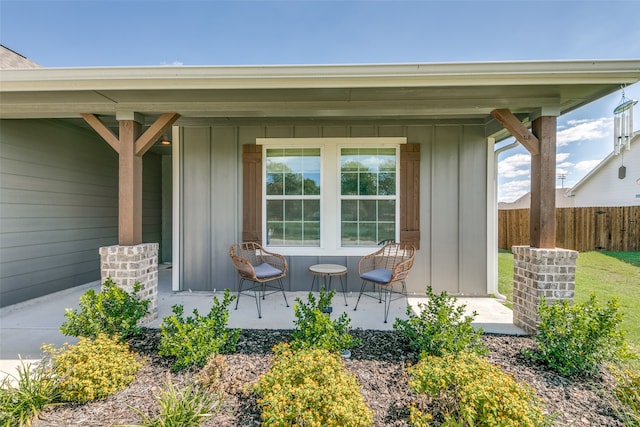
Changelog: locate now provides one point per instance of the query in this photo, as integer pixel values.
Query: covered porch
(25, 326)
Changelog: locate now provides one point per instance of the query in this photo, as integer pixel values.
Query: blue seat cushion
(379, 275)
(265, 270)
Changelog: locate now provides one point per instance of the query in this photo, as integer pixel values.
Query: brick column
(127, 265)
(540, 272)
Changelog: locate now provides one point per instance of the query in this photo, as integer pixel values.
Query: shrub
(627, 391)
(182, 408)
(211, 373)
(576, 339)
(24, 396)
(466, 390)
(192, 340)
(440, 328)
(310, 387)
(111, 311)
(315, 329)
(93, 369)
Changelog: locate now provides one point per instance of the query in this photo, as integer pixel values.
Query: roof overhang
(468, 91)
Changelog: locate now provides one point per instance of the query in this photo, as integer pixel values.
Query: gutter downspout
(493, 214)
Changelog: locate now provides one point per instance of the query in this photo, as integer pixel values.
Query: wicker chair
(259, 266)
(383, 268)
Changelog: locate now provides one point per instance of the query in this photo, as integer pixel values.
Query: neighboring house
(316, 162)
(524, 202)
(10, 59)
(613, 182)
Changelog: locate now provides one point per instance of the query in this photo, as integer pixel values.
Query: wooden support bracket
(517, 129)
(151, 135)
(102, 130)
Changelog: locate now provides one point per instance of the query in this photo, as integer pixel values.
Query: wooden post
(543, 185)
(130, 186)
(130, 146)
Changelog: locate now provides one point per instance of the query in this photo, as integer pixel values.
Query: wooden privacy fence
(580, 229)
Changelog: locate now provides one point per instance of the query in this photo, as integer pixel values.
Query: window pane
(293, 233)
(275, 233)
(387, 210)
(311, 234)
(368, 184)
(349, 210)
(312, 183)
(367, 210)
(368, 234)
(387, 184)
(292, 184)
(275, 210)
(274, 184)
(349, 234)
(293, 210)
(311, 210)
(349, 184)
(386, 231)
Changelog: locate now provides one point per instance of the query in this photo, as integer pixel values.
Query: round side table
(329, 271)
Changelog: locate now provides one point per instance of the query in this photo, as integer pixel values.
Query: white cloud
(561, 157)
(513, 190)
(587, 165)
(584, 130)
(172, 64)
(514, 166)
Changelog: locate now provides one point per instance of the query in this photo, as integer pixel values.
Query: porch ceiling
(419, 91)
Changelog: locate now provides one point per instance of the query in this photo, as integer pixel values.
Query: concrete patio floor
(24, 327)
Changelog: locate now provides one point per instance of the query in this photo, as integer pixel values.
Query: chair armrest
(401, 270)
(276, 260)
(244, 267)
(368, 262)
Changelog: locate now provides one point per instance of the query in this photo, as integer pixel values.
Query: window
(293, 196)
(368, 193)
(337, 196)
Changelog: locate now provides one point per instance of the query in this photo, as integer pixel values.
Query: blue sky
(80, 33)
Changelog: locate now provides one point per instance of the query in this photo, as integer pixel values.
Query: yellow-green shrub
(310, 387)
(93, 369)
(468, 390)
(628, 393)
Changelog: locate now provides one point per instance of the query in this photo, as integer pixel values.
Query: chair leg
(387, 304)
(283, 294)
(258, 303)
(239, 292)
(364, 283)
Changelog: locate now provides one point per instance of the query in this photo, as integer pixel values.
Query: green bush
(192, 340)
(92, 369)
(111, 311)
(440, 328)
(310, 387)
(576, 339)
(315, 329)
(182, 408)
(24, 396)
(466, 390)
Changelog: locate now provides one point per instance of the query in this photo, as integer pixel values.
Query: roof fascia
(322, 76)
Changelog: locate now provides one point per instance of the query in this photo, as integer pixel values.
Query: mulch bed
(378, 362)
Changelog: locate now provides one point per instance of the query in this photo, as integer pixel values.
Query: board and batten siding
(453, 197)
(59, 205)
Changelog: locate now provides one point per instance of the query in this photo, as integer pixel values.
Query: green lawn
(605, 274)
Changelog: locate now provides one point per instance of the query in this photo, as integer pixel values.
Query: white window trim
(330, 190)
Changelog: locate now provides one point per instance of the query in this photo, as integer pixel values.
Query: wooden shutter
(252, 193)
(410, 194)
